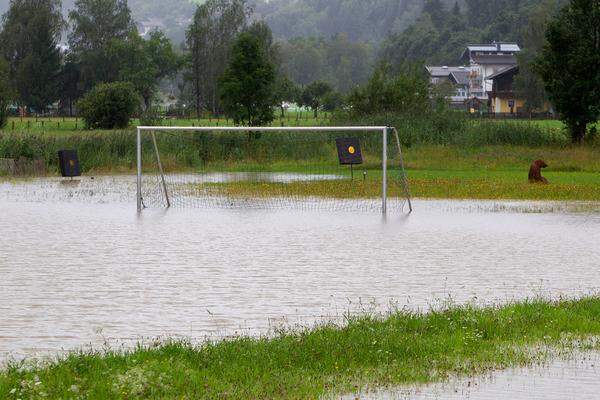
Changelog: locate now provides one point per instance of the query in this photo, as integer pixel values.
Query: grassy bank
(401, 348)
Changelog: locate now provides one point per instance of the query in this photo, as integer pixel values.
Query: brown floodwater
(79, 266)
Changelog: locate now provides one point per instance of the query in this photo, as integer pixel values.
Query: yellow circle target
(351, 150)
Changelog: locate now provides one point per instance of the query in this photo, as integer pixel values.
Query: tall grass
(454, 128)
(114, 150)
(396, 349)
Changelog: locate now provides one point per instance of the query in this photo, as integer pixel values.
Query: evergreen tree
(246, 87)
(570, 65)
(456, 9)
(528, 84)
(437, 11)
(30, 35)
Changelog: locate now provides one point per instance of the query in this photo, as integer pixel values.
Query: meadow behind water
(447, 155)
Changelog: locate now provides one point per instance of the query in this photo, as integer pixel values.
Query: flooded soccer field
(80, 267)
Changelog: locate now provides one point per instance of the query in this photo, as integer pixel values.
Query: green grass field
(68, 126)
(489, 172)
(396, 349)
(508, 185)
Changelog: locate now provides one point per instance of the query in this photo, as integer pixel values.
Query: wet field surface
(577, 377)
(79, 266)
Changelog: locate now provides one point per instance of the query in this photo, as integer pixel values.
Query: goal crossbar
(383, 130)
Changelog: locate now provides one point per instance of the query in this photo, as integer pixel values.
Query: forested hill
(440, 33)
(361, 20)
(340, 41)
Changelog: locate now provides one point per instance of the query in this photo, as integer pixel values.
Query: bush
(385, 93)
(108, 105)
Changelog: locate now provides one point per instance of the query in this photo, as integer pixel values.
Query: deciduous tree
(386, 92)
(144, 62)
(285, 91)
(314, 95)
(95, 24)
(209, 38)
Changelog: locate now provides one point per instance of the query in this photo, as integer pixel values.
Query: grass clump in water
(400, 348)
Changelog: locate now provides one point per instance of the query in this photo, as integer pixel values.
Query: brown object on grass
(535, 172)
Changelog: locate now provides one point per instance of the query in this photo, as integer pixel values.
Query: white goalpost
(163, 186)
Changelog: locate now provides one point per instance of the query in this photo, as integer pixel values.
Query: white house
(458, 76)
(482, 61)
(486, 60)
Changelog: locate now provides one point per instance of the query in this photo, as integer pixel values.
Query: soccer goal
(325, 168)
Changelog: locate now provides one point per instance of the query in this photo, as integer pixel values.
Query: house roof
(494, 47)
(503, 72)
(460, 77)
(444, 71)
(507, 59)
(501, 47)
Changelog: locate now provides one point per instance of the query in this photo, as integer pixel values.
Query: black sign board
(349, 151)
(69, 163)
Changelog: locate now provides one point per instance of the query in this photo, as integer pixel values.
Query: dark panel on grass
(349, 151)
(69, 163)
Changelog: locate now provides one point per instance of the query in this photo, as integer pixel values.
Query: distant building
(486, 60)
(457, 76)
(503, 99)
(472, 81)
(502, 95)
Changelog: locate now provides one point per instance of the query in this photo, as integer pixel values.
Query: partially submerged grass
(399, 348)
(507, 185)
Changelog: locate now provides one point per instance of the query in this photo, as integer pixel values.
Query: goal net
(322, 168)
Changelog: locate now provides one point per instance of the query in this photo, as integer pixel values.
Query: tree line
(104, 50)
(231, 63)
